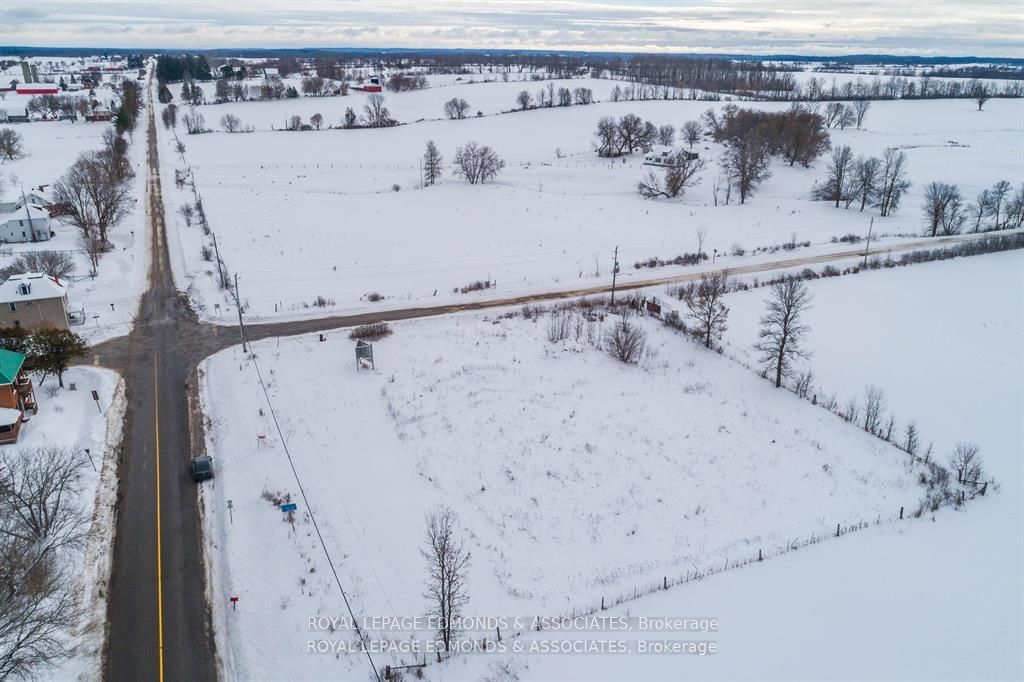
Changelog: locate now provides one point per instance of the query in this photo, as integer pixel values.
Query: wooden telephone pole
(615, 272)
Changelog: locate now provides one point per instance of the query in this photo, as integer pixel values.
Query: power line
(316, 527)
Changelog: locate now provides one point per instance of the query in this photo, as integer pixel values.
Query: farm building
(33, 300)
(373, 85)
(99, 115)
(37, 89)
(13, 113)
(665, 156)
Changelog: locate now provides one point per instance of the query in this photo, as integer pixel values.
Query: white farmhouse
(26, 224)
(665, 156)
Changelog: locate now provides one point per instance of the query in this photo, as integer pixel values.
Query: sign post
(96, 397)
(364, 354)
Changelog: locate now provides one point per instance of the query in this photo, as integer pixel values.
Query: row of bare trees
(867, 181)
(997, 208)
(549, 96)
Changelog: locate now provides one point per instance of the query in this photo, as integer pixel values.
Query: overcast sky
(925, 27)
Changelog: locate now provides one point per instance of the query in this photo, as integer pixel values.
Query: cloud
(950, 27)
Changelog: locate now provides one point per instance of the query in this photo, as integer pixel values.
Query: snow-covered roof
(9, 416)
(40, 287)
(18, 212)
(660, 150)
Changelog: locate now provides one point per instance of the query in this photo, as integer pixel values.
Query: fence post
(984, 487)
(499, 633)
(759, 557)
(664, 582)
(602, 603)
(837, 530)
(901, 513)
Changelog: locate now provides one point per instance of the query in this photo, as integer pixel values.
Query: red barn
(37, 89)
(372, 86)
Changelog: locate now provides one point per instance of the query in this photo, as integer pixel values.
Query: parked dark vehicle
(202, 468)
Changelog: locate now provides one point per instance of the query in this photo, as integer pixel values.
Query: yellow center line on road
(159, 550)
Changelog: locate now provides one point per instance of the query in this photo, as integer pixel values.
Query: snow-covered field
(302, 216)
(575, 477)
(69, 419)
(109, 300)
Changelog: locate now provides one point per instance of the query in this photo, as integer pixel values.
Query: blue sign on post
(289, 507)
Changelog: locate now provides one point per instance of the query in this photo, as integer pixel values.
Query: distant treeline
(171, 69)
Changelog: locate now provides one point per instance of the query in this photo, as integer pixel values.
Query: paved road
(158, 614)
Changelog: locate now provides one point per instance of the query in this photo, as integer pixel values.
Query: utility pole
(238, 304)
(220, 265)
(867, 247)
(615, 272)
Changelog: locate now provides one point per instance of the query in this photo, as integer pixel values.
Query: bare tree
(745, 161)
(847, 117)
(682, 174)
(704, 299)
(911, 439)
(860, 110)
(56, 264)
(564, 97)
(981, 94)
(782, 328)
(187, 212)
(943, 209)
(966, 462)
(92, 248)
(375, 114)
(433, 163)
(195, 123)
(692, 131)
(980, 209)
(170, 116)
(997, 195)
(316, 120)
(865, 176)
(40, 521)
(625, 341)
(456, 108)
(874, 405)
(11, 146)
(666, 135)
(583, 96)
(314, 86)
(837, 185)
(524, 100)
(447, 572)
(607, 137)
(701, 234)
(94, 198)
(833, 111)
(631, 130)
(477, 163)
(894, 181)
(230, 123)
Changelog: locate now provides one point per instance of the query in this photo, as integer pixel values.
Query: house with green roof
(16, 395)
